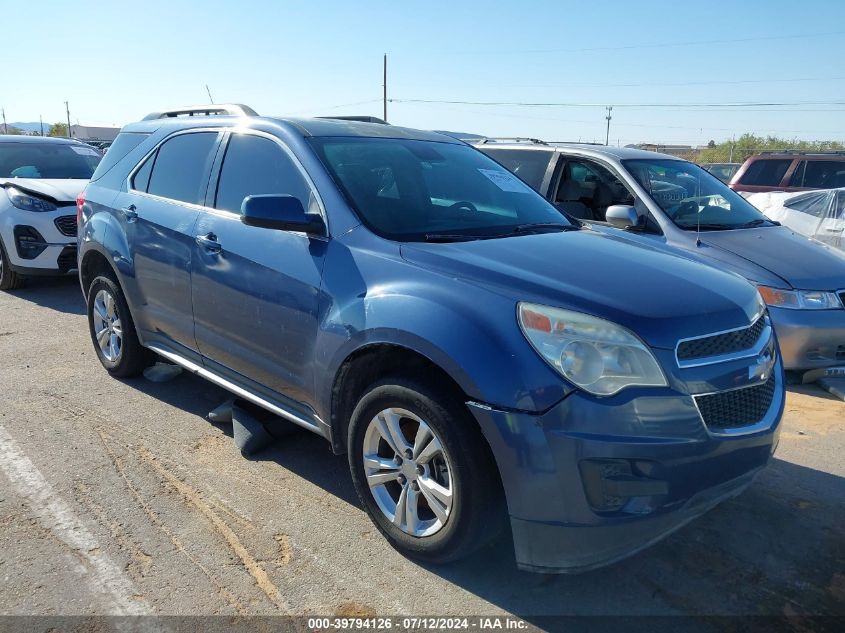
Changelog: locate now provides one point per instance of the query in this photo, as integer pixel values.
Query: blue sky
(115, 64)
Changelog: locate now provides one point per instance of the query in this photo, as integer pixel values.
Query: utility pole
(384, 86)
(5, 129)
(67, 110)
(41, 121)
(608, 117)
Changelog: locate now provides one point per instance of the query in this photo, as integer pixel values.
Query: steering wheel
(688, 208)
(464, 205)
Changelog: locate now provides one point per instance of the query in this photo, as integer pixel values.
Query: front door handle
(130, 213)
(209, 242)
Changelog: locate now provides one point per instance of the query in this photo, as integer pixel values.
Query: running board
(237, 390)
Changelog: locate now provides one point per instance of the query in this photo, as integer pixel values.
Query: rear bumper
(810, 339)
(594, 480)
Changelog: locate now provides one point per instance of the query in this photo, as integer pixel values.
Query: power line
(622, 105)
(672, 84)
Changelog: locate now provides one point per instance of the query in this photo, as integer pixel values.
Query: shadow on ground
(57, 293)
(778, 549)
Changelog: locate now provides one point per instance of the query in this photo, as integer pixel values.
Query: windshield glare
(409, 190)
(691, 196)
(48, 160)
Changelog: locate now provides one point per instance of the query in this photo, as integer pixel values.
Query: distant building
(93, 133)
(683, 151)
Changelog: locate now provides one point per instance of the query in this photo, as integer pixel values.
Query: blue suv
(476, 355)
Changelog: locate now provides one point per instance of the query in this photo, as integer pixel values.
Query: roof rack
(804, 152)
(361, 118)
(511, 139)
(575, 143)
(232, 109)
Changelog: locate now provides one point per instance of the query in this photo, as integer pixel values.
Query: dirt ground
(119, 497)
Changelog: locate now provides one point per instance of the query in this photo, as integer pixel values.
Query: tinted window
(819, 174)
(767, 172)
(255, 165)
(47, 160)
(123, 144)
(416, 190)
(141, 179)
(181, 165)
(530, 165)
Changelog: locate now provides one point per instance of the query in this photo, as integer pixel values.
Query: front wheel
(423, 471)
(9, 279)
(113, 331)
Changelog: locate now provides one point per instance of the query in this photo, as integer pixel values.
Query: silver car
(663, 200)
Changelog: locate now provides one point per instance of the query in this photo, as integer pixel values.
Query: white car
(818, 214)
(40, 178)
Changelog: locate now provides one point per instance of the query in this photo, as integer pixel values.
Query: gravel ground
(119, 497)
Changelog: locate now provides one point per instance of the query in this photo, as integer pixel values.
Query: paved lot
(119, 497)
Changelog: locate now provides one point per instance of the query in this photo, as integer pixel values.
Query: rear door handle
(209, 242)
(130, 213)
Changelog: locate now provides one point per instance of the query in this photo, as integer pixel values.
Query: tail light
(80, 203)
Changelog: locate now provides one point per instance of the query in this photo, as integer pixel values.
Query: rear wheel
(9, 279)
(423, 471)
(113, 331)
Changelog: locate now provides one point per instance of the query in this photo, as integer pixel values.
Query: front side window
(254, 165)
(593, 185)
(415, 190)
(766, 172)
(692, 197)
(180, 171)
(530, 165)
(48, 160)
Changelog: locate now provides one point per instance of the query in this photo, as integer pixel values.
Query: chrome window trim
(761, 343)
(231, 130)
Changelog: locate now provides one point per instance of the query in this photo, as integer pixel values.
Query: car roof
(840, 156)
(20, 138)
(620, 153)
(303, 126)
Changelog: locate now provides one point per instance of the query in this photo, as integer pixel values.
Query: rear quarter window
(767, 172)
(123, 144)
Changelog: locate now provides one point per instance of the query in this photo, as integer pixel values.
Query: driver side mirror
(622, 216)
(281, 212)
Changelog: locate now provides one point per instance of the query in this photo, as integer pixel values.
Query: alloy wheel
(107, 326)
(408, 472)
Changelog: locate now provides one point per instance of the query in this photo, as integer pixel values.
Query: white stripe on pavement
(104, 577)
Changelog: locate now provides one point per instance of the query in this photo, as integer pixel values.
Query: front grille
(738, 408)
(67, 225)
(719, 344)
(67, 259)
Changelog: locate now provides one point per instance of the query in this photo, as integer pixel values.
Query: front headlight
(799, 299)
(27, 202)
(597, 355)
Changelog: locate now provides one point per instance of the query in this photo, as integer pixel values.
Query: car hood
(659, 296)
(801, 262)
(59, 190)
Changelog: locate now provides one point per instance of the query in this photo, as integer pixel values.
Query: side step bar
(237, 390)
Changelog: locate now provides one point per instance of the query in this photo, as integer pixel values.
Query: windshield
(691, 196)
(416, 190)
(47, 160)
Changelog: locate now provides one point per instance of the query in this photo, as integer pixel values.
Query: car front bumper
(48, 251)
(810, 339)
(594, 480)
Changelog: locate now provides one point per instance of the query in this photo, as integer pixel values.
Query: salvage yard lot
(120, 497)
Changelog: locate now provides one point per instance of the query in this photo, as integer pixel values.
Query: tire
(9, 279)
(474, 510)
(122, 354)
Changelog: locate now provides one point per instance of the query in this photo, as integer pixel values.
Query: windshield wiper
(543, 226)
(710, 227)
(753, 223)
(455, 237)
(519, 229)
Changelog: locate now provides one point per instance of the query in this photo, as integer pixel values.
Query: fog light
(29, 242)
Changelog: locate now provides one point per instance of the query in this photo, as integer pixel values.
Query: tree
(58, 129)
(12, 131)
(748, 144)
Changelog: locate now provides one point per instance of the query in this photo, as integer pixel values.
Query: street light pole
(384, 86)
(608, 117)
(67, 109)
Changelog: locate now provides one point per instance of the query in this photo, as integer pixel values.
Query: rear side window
(819, 174)
(766, 172)
(123, 144)
(254, 165)
(180, 171)
(529, 165)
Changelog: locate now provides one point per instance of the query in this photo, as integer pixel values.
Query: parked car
(790, 171)
(664, 200)
(817, 214)
(410, 300)
(722, 171)
(40, 178)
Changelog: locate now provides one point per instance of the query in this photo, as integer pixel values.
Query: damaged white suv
(40, 178)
